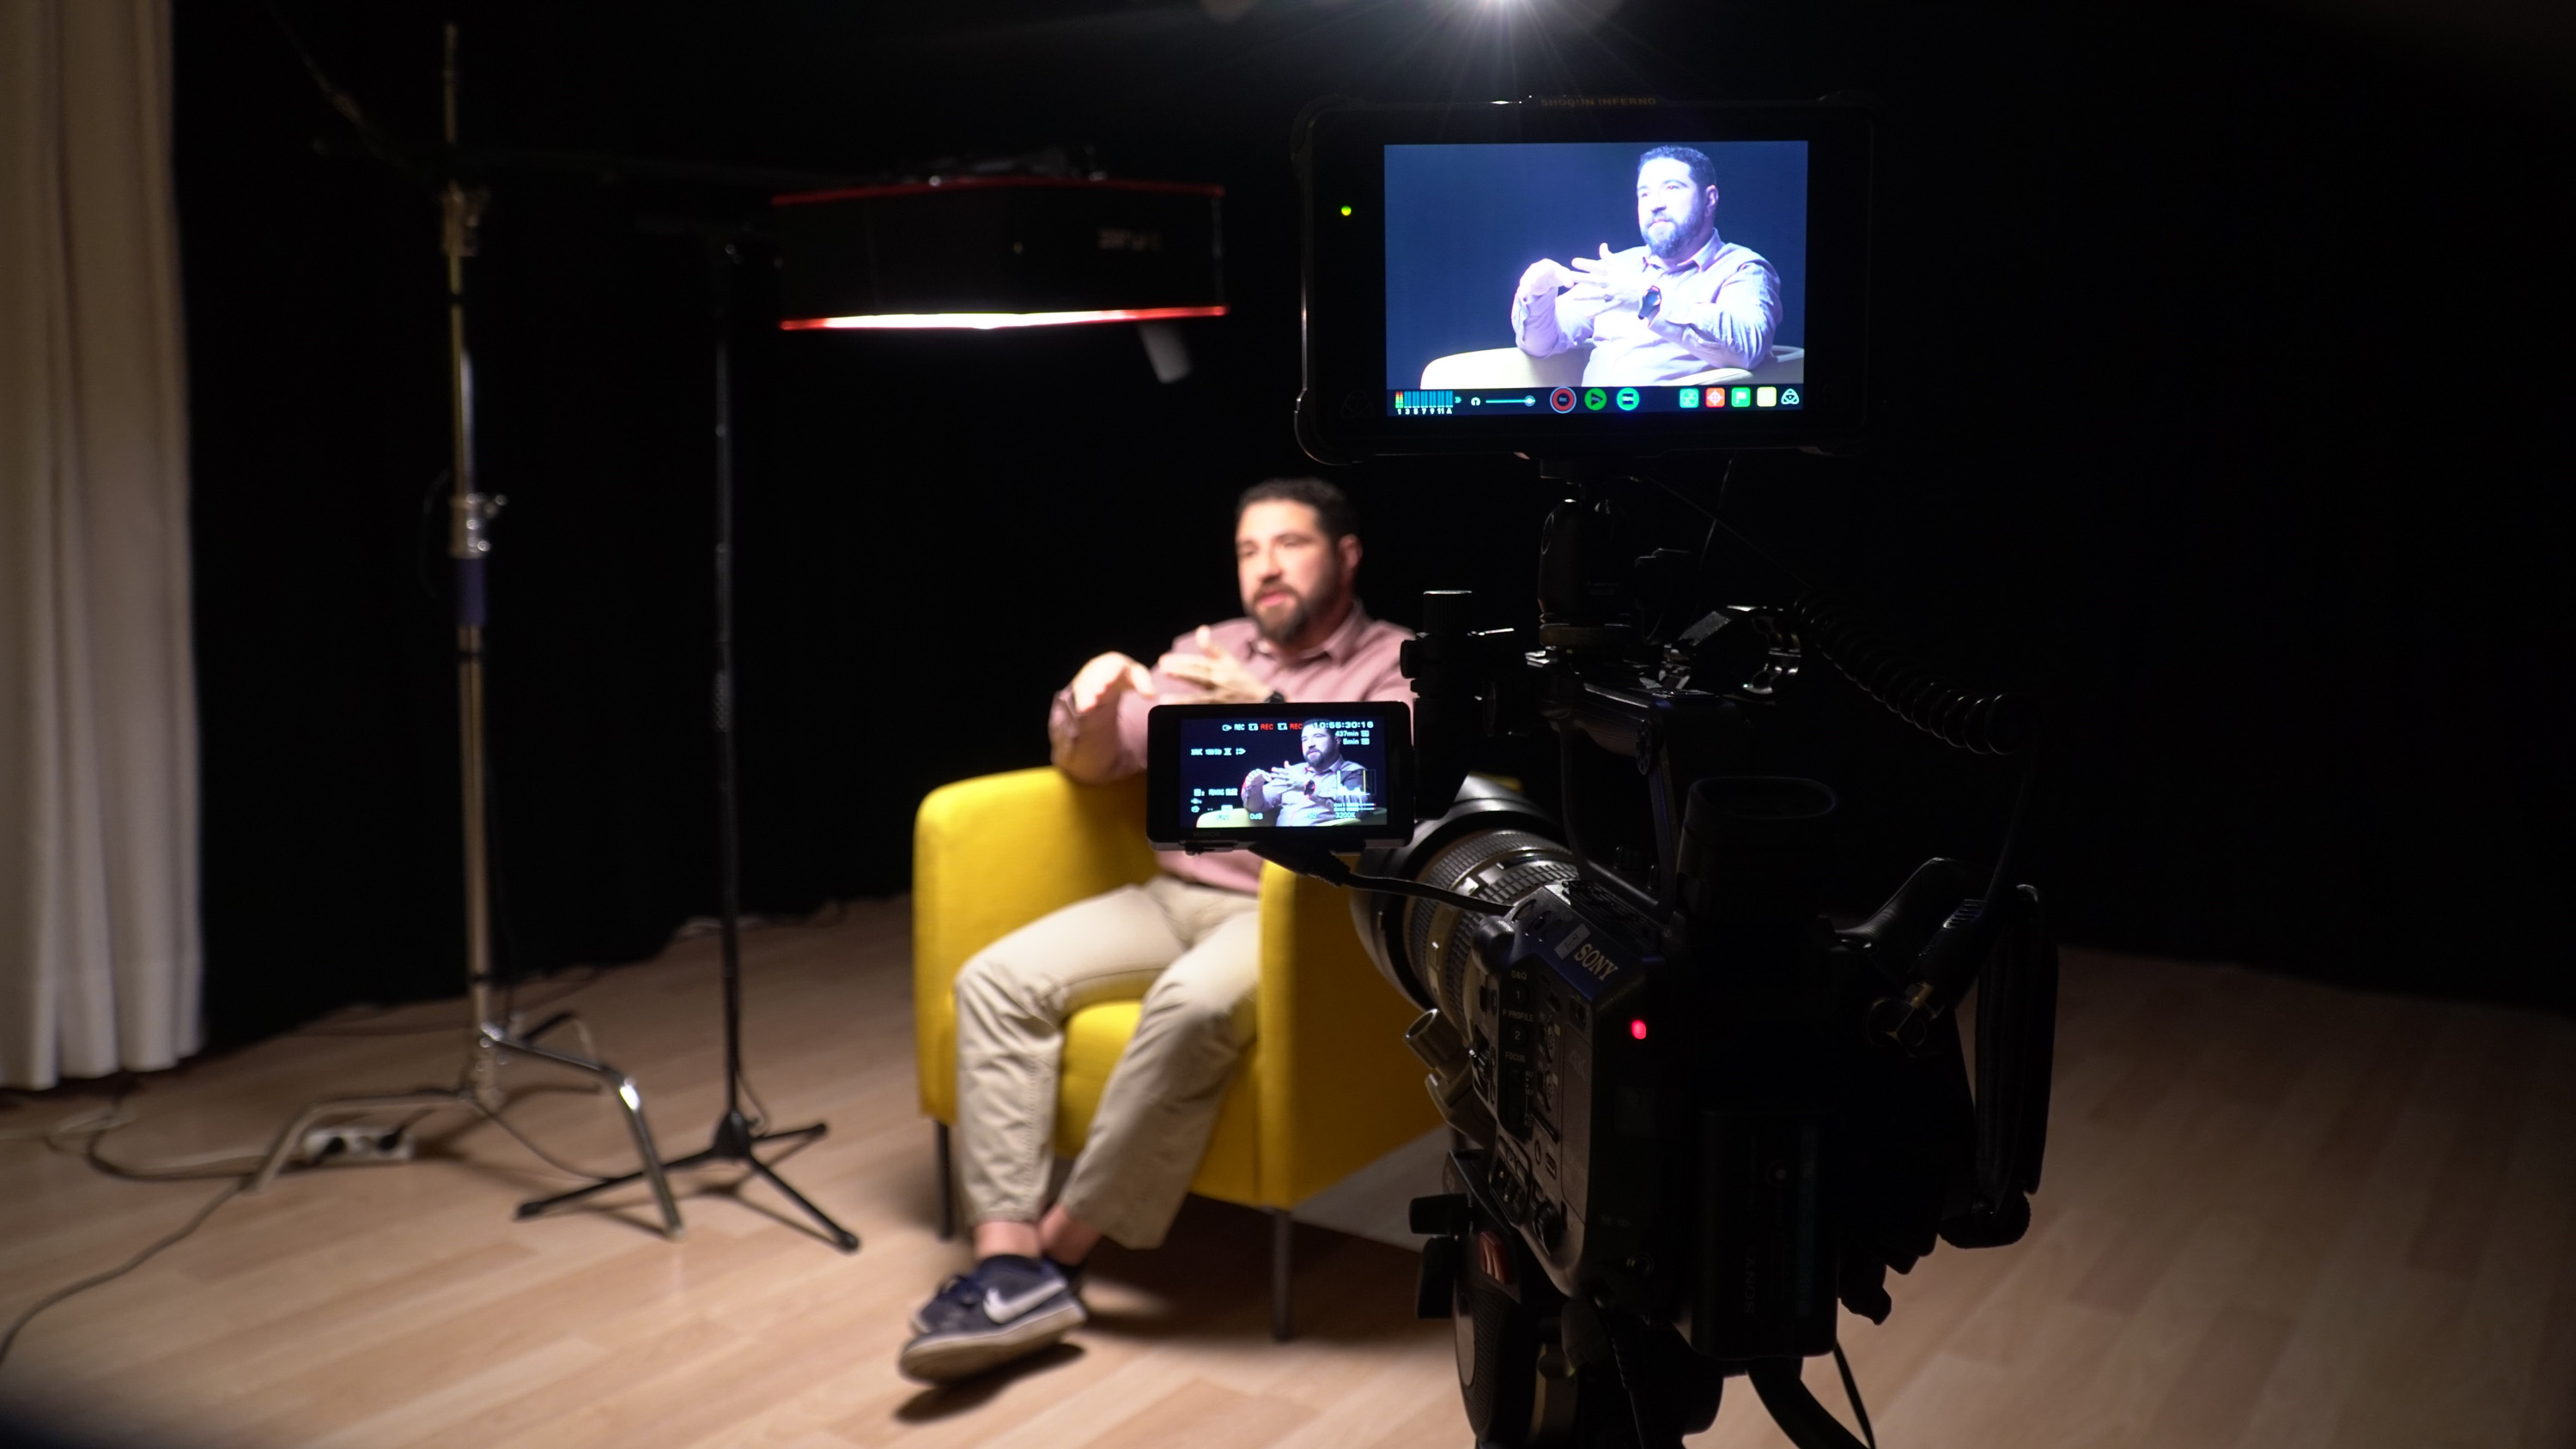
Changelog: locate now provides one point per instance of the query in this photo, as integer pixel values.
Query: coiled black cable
(1988, 724)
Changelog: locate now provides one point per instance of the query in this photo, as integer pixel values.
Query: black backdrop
(2260, 483)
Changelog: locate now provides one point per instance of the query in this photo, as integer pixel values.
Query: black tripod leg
(543, 1204)
(1806, 1422)
(842, 1238)
(794, 1134)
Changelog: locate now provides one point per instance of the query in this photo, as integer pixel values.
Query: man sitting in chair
(1686, 301)
(1187, 942)
(1324, 789)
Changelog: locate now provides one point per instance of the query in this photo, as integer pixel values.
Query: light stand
(469, 544)
(735, 1133)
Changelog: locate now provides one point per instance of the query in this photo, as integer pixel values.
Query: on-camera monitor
(1242, 774)
(1595, 275)
(1584, 278)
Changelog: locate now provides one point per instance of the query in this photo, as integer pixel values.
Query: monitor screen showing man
(1323, 787)
(1239, 774)
(1655, 276)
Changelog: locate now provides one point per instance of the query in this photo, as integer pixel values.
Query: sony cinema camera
(1692, 1116)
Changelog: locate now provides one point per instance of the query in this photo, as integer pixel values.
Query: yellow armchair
(1327, 1086)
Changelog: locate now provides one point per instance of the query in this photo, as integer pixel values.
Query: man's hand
(1544, 280)
(1084, 744)
(1219, 676)
(1099, 683)
(1264, 789)
(1599, 286)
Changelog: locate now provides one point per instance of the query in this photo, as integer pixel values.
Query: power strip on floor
(350, 1146)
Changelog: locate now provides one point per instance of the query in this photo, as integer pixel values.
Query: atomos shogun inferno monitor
(1584, 277)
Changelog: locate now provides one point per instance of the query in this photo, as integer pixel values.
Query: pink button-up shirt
(1357, 663)
(1720, 307)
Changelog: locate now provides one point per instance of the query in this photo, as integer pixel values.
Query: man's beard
(1301, 612)
(1679, 238)
(1290, 624)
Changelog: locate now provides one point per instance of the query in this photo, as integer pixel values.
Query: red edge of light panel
(977, 183)
(986, 321)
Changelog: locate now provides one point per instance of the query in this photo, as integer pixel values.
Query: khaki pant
(1193, 954)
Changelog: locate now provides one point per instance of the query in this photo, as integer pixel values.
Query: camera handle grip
(1323, 865)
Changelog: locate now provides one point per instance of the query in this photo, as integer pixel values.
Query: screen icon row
(1603, 399)
(1740, 397)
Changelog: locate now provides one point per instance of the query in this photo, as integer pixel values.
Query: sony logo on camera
(1590, 958)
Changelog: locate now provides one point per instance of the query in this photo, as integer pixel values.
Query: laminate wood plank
(2549, 1419)
(1377, 1398)
(1210, 1416)
(2166, 1048)
(243, 1342)
(2364, 1286)
(2212, 1399)
(2456, 1221)
(2144, 1365)
(1956, 1402)
(2032, 1278)
(2476, 1377)
(2243, 1237)
(453, 1412)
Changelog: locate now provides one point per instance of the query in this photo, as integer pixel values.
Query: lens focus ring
(1495, 865)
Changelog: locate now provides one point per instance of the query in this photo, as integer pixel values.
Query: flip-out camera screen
(1221, 775)
(1578, 277)
(1552, 279)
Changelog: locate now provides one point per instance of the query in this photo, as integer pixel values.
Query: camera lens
(1492, 844)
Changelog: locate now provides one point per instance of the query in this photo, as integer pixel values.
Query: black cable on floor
(111, 1275)
(238, 1181)
(550, 1160)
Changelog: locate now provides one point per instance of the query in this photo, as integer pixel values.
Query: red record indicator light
(1637, 1028)
(1562, 399)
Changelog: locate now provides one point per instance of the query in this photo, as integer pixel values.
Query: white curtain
(100, 955)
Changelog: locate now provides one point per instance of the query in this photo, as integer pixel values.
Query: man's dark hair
(1333, 513)
(1703, 172)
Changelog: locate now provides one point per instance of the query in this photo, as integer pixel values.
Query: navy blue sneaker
(1008, 1306)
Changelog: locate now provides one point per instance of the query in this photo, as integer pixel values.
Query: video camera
(1692, 1113)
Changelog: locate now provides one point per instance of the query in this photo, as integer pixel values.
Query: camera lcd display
(1585, 278)
(1241, 774)
(1595, 277)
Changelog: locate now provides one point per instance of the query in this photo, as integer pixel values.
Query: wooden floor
(2276, 1214)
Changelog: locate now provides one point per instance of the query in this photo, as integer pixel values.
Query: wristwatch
(1652, 303)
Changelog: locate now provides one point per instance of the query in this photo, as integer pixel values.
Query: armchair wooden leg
(947, 1184)
(1281, 1231)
